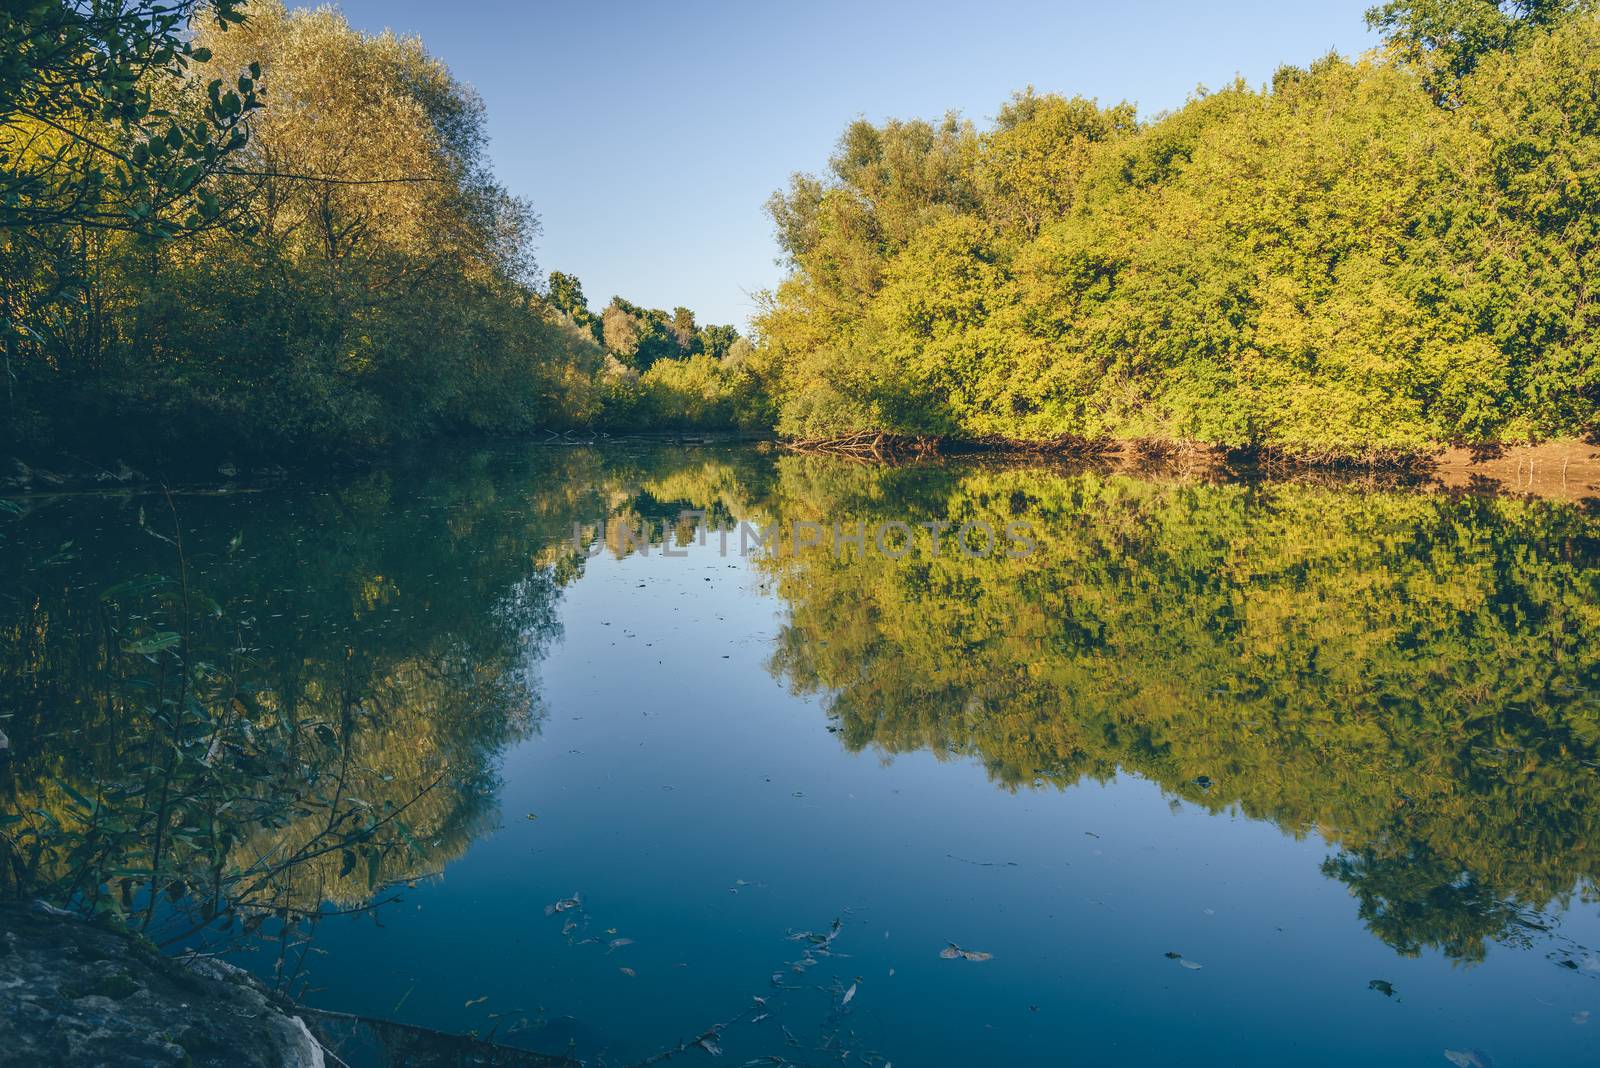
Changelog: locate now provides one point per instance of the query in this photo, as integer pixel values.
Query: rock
(74, 993)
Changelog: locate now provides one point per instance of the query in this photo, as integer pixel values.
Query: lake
(1079, 766)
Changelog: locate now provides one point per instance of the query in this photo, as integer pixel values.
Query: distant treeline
(1364, 257)
(226, 224)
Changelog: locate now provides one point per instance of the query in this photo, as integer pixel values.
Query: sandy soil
(1567, 470)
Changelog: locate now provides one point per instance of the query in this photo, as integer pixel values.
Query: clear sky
(648, 135)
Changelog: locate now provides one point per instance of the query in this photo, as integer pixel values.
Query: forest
(212, 236)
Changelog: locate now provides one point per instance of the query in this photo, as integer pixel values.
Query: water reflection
(1414, 677)
(282, 703)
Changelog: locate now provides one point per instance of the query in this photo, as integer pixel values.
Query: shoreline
(1566, 469)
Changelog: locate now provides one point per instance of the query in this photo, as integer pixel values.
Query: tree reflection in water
(309, 710)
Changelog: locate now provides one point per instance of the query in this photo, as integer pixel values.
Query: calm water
(1221, 773)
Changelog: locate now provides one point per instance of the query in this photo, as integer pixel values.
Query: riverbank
(82, 994)
(1557, 470)
(1560, 470)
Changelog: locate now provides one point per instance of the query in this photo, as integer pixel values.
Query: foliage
(1445, 39)
(1333, 266)
(86, 139)
(368, 281)
(699, 392)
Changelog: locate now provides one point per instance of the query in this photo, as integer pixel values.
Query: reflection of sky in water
(672, 766)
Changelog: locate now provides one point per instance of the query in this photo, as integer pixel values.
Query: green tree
(1446, 39)
(565, 294)
(89, 131)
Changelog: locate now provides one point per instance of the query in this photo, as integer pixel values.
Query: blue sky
(648, 135)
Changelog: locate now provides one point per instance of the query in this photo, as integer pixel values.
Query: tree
(90, 132)
(564, 293)
(684, 331)
(715, 341)
(638, 336)
(1037, 153)
(1446, 39)
(1333, 268)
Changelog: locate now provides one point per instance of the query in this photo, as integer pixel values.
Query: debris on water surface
(563, 905)
(848, 995)
(618, 943)
(1581, 1018)
(476, 1001)
(1469, 1058)
(1192, 965)
(1382, 986)
(818, 939)
(629, 972)
(955, 952)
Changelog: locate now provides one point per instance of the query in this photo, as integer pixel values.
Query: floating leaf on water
(532, 816)
(1469, 1058)
(563, 905)
(758, 1019)
(629, 972)
(1382, 986)
(1192, 965)
(953, 951)
(618, 943)
(848, 995)
(476, 1001)
(818, 939)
